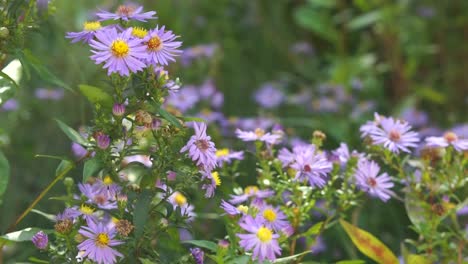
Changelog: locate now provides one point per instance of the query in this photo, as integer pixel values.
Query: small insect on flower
(121, 52)
(368, 180)
(126, 13)
(98, 245)
(161, 46)
(260, 239)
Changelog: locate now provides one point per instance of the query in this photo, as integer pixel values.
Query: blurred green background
(403, 54)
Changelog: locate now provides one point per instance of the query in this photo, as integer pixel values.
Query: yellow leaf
(416, 259)
(369, 245)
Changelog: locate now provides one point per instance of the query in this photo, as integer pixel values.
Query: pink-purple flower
(200, 148)
(311, 165)
(449, 139)
(260, 239)
(274, 218)
(126, 13)
(161, 46)
(120, 52)
(258, 134)
(40, 240)
(87, 34)
(251, 192)
(368, 179)
(99, 242)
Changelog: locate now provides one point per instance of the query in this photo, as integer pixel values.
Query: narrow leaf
(290, 258)
(141, 212)
(169, 117)
(21, 235)
(314, 230)
(203, 244)
(4, 174)
(96, 95)
(64, 164)
(369, 245)
(51, 217)
(72, 133)
(91, 167)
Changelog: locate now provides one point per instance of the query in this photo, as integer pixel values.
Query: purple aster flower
(393, 134)
(88, 33)
(260, 239)
(201, 149)
(102, 140)
(49, 94)
(463, 210)
(415, 117)
(184, 99)
(207, 89)
(120, 51)
(287, 157)
(274, 218)
(98, 245)
(161, 46)
(214, 181)
(251, 192)
(177, 199)
(368, 180)
(254, 123)
(461, 130)
(312, 166)
(198, 255)
(171, 175)
(98, 195)
(318, 246)
(199, 51)
(268, 96)
(143, 159)
(10, 105)
(229, 208)
(448, 139)
(343, 154)
(258, 134)
(87, 212)
(126, 13)
(40, 240)
(78, 150)
(227, 156)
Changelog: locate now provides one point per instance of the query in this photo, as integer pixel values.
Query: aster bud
(40, 240)
(124, 227)
(102, 140)
(223, 244)
(171, 176)
(318, 137)
(198, 255)
(156, 123)
(63, 226)
(143, 118)
(68, 182)
(118, 109)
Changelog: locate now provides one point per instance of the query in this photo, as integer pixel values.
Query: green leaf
(91, 167)
(29, 59)
(169, 117)
(36, 260)
(4, 174)
(72, 133)
(288, 259)
(314, 230)
(357, 261)
(96, 95)
(203, 244)
(319, 23)
(192, 118)
(364, 20)
(141, 212)
(64, 164)
(21, 235)
(323, 3)
(51, 217)
(9, 78)
(146, 261)
(239, 260)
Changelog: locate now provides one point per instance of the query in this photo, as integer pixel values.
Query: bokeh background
(330, 64)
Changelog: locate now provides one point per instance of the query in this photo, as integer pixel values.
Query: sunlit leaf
(203, 244)
(21, 235)
(4, 174)
(356, 261)
(365, 20)
(9, 78)
(318, 22)
(50, 217)
(64, 164)
(72, 133)
(96, 95)
(314, 230)
(369, 245)
(417, 259)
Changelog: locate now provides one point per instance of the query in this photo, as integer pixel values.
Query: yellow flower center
(154, 44)
(450, 137)
(222, 152)
(139, 32)
(264, 234)
(251, 190)
(180, 199)
(102, 240)
(216, 178)
(244, 209)
(92, 26)
(125, 10)
(269, 215)
(107, 180)
(87, 210)
(259, 132)
(120, 48)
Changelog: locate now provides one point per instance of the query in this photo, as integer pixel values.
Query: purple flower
(161, 46)
(260, 239)
(102, 140)
(343, 154)
(461, 130)
(98, 245)
(201, 149)
(143, 159)
(198, 255)
(415, 117)
(312, 166)
(214, 181)
(251, 192)
(393, 134)
(229, 208)
(449, 138)
(88, 33)
(258, 134)
(49, 94)
(195, 52)
(368, 180)
(318, 246)
(184, 99)
(287, 157)
(226, 156)
(78, 150)
(120, 51)
(126, 13)
(98, 195)
(302, 48)
(274, 218)
(10, 105)
(253, 123)
(269, 96)
(118, 109)
(177, 199)
(40, 240)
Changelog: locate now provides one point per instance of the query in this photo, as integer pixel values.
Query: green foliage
(4, 175)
